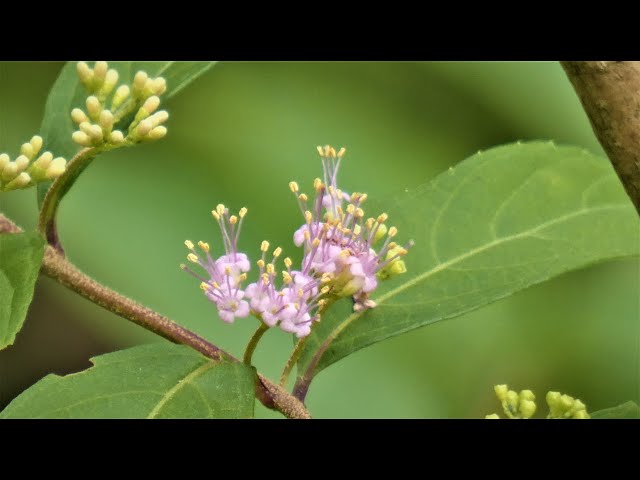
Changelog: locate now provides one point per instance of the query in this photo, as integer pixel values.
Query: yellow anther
(351, 208)
(320, 151)
(392, 245)
(300, 293)
(363, 197)
(286, 277)
(318, 185)
(271, 269)
(393, 231)
(382, 218)
(264, 246)
(243, 277)
(265, 278)
(260, 263)
(227, 270)
(192, 257)
(359, 213)
(303, 197)
(216, 285)
(332, 152)
(189, 244)
(315, 243)
(220, 208)
(308, 216)
(325, 289)
(341, 152)
(203, 245)
(293, 186)
(307, 235)
(215, 214)
(277, 252)
(322, 302)
(243, 211)
(287, 262)
(369, 223)
(344, 253)
(233, 219)
(331, 190)
(357, 229)
(205, 286)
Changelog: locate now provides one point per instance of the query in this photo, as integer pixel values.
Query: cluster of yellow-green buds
(96, 124)
(564, 406)
(29, 168)
(522, 405)
(514, 404)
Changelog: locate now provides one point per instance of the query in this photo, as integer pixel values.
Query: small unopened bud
(78, 116)
(22, 162)
(9, 171)
(159, 86)
(81, 138)
(43, 161)
(151, 104)
(157, 133)
(4, 161)
(140, 80)
(493, 416)
(501, 392)
(106, 120)
(93, 107)
(109, 84)
(95, 132)
(122, 92)
(85, 74)
(56, 168)
(159, 117)
(27, 150)
(36, 142)
(116, 137)
(527, 408)
(100, 71)
(20, 181)
(144, 127)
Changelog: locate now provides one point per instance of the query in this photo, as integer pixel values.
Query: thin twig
(60, 269)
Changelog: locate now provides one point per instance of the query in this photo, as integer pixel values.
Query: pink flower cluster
(339, 259)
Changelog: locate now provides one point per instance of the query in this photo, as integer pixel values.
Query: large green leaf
(67, 93)
(500, 221)
(20, 258)
(626, 410)
(150, 381)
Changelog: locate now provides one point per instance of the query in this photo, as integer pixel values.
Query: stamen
(203, 245)
(243, 211)
(189, 244)
(264, 246)
(192, 257)
(293, 186)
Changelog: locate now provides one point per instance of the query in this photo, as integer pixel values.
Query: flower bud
(151, 104)
(157, 133)
(78, 116)
(22, 162)
(84, 73)
(110, 81)
(122, 93)
(116, 137)
(93, 107)
(9, 171)
(100, 72)
(56, 168)
(81, 138)
(20, 181)
(4, 161)
(36, 142)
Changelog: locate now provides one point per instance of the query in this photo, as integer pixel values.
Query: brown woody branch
(610, 94)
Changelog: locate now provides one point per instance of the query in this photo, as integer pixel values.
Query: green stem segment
(293, 359)
(253, 343)
(62, 184)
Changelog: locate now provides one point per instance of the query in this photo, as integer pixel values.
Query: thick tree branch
(610, 94)
(57, 267)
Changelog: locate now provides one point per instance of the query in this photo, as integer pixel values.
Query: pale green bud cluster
(97, 123)
(522, 405)
(564, 406)
(395, 267)
(29, 167)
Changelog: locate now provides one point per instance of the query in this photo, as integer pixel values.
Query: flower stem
(61, 185)
(293, 359)
(253, 343)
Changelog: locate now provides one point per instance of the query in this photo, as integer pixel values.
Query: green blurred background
(238, 135)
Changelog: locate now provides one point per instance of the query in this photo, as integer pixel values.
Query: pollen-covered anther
(306, 235)
(287, 262)
(260, 263)
(192, 257)
(233, 219)
(204, 286)
(315, 243)
(393, 231)
(203, 245)
(277, 252)
(324, 290)
(271, 269)
(359, 213)
(351, 208)
(221, 209)
(303, 197)
(308, 217)
(189, 244)
(265, 278)
(293, 186)
(264, 246)
(382, 218)
(320, 151)
(215, 214)
(243, 211)
(341, 152)
(318, 185)
(286, 277)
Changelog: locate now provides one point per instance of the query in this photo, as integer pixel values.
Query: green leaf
(20, 258)
(626, 410)
(499, 222)
(67, 93)
(150, 381)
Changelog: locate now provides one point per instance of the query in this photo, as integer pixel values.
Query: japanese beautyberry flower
(339, 259)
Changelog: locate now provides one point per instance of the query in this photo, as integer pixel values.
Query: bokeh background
(238, 135)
